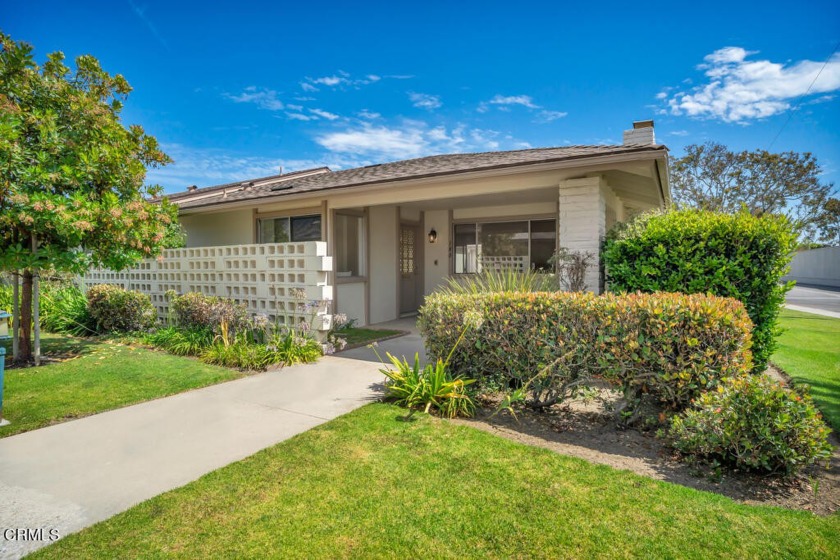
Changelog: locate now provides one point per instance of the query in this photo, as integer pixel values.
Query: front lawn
(368, 485)
(809, 351)
(358, 336)
(97, 375)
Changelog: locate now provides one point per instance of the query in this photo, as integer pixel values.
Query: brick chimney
(640, 135)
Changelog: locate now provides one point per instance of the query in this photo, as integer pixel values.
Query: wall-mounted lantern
(432, 235)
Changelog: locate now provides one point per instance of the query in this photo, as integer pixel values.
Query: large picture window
(517, 245)
(285, 229)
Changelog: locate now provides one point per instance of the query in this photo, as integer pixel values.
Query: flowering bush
(755, 423)
(194, 310)
(114, 309)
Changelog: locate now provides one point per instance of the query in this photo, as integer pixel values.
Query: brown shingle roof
(430, 166)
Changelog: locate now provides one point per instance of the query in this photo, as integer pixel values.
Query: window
(349, 245)
(295, 228)
(519, 245)
(406, 251)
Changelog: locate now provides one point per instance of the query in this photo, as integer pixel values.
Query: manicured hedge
(670, 345)
(692, 251)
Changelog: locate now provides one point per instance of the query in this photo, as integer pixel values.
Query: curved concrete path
(72, 475)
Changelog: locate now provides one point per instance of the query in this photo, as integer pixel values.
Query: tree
(711, 177)
(72, 191)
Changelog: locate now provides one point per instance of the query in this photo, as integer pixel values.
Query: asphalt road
(814, 298)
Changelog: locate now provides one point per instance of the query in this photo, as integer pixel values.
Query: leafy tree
(72, 191)
(712, 177)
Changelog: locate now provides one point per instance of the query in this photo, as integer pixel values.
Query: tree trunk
(25, 345)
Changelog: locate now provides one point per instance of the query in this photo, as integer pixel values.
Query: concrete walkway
(72, 475)
(402, 346)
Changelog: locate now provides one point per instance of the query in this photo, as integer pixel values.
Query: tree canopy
(72, 176)
(712, 177)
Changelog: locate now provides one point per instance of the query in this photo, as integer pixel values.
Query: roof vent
(282, 187)
(192, 188)
(247, 185)
(640, 135)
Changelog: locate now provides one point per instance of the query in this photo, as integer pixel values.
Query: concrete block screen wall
(268, 278)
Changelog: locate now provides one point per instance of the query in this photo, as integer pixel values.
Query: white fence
(817, 267)
(268, 278)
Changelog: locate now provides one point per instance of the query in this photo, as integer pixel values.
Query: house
(373, 241)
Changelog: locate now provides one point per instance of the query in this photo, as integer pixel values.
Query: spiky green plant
(492, 281)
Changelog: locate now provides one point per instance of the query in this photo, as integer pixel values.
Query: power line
(790, 114)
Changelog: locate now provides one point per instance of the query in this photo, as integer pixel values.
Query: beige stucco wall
(508, 211)
(383, 228)
(220, 228)
(436, 255)
(351, 302)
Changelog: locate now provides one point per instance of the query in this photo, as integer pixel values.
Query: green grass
(97, 375)
(809, 351)
(360, 336)
(368, 485)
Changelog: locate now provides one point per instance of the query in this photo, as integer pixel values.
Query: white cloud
(300, 117)
(330, 81)
(373, 77)
(306, 86)
(324, 114)
(412, 139)
(369, 115)
(425, 100)
(263, 98)
(740, 90)
(524, 100)
(679, 133)
(208, 166)
(547, 116)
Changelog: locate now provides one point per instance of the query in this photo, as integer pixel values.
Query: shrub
(114, 309)
(691, 251)
(754, 423)
(430, 386)
(195, 310)
(181, 342)
(292, 348)
(240, 354)
(64, 310)
(672, 346)
(493, 281)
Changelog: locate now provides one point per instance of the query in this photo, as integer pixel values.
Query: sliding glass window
(519, 245)
(285, 229)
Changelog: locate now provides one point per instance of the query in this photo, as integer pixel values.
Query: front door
(410, 283)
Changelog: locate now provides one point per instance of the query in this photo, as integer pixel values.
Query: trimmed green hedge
(672, 346)
(692, 251)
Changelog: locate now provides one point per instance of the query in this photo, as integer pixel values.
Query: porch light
(432, 235)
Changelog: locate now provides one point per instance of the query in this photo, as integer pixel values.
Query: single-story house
(373, 241)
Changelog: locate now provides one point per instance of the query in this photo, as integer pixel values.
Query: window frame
(288, 216)
(477, 222)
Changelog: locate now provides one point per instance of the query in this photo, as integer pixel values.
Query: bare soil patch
(586, 429)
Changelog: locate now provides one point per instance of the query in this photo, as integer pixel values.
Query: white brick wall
(581, 221)
(263, 277)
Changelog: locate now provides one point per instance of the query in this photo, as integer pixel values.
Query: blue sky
(236, 90)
